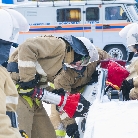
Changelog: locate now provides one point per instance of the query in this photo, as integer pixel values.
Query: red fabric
(104, 63)
(116, 73)
(71, 104)
(34, 94)
(40, 94)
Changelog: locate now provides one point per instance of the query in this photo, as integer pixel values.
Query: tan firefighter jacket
(133, 69)
(71, 81)
(8, 102)
(42, 55)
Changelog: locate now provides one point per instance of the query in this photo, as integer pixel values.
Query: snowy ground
(48, 108)
(111, 120)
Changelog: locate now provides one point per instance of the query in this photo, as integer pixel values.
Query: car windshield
(133, 11)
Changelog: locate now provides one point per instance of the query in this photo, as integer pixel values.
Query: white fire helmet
(132, 36)
(124, 31)
(11, 23)
(93, 53)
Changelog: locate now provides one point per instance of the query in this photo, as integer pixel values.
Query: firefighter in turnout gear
(129, 86)
(77, 73)
(36, 62)
(11, 22)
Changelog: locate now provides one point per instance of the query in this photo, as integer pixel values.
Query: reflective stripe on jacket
(8, 102)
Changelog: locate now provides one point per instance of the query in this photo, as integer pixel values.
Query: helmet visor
(85, 61)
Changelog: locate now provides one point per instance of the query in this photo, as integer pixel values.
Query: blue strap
(13, 117)
(12, 67)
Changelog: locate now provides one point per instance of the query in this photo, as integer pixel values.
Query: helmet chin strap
(78, 68)
(73, 67)
(69, 66)
(80, 71)
(14, 32)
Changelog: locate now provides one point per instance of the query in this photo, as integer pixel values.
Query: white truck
(91, 19)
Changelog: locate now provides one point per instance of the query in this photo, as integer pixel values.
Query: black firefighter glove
(29, 84)
(72, 131)
(27, 88)
(32, 92)
(60, 91)
(126, 87)
(94, 78)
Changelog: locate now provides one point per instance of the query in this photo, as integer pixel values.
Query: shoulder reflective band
(12, 67)
(60, 133)
(13, 117)
(11, 100)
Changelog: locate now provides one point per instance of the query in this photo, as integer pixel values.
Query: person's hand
(29, 84)
(94, 78)
(60, 91)
(72, 131)
(126, 87)
(33, 92)
(26, 92)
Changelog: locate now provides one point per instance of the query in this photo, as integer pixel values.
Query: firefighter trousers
(35, 120)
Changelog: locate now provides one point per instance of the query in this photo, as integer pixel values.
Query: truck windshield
(134, 11)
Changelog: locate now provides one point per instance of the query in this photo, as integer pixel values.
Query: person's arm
(103, 54)
(37, 48)
(63, 80)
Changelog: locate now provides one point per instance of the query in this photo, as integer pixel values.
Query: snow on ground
(47, 108)
(112, 120)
